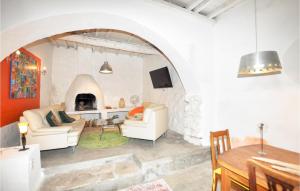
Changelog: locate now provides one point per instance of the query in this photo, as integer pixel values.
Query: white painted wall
(242, 103)
(44, 51)
(125, 81)
(173, 98)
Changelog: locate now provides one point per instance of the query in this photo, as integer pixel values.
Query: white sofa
(39, 131)
(153, 125)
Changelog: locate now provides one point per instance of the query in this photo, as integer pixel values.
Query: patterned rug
(91, 140)
(158, 185)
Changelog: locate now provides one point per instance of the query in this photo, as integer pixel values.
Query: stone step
(164, 166)
(104, 174)
(117, 172)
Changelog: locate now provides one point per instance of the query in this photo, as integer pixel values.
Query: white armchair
(153, 125)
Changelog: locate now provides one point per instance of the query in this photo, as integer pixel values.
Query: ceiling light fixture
(259, 63)
(106, 68)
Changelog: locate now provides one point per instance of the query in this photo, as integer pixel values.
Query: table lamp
(23, 127)
(261, 130)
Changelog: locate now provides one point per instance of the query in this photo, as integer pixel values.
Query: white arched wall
(149, 19)
(186, 42)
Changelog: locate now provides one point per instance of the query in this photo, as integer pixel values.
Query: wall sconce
(23, 128)
(18, 52)
(44, 70)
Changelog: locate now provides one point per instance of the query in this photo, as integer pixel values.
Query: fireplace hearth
(84, 102)
(84, 90)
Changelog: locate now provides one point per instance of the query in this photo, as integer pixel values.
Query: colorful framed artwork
(24, 70)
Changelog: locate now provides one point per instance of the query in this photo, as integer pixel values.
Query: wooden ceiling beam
(193, 4)
(202, 6)
(220, 10)
(111, 44)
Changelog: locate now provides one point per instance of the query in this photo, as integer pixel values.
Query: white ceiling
(105, 40)
(208, 8)
(123, 42)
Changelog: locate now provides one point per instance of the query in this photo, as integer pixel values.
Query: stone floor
(194, 178)
(171, 145)
(184, 166)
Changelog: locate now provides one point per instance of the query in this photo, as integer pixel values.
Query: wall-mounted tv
(161, 78)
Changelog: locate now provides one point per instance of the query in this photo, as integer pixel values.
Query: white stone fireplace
(84, 91)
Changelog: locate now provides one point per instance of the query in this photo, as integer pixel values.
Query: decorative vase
(121, 103)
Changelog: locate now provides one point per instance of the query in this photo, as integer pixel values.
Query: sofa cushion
(43, 112)
(34, 119)
(65, 118)
(56, 108)
(51, 119)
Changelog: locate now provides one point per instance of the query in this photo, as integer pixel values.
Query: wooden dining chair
(219, 143)
(276, 179)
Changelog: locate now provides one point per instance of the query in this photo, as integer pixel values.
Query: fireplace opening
(85, 102)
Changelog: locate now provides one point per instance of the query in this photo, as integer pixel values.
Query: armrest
(58, 129)
(135, 123)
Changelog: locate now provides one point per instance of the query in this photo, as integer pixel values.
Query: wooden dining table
(234, 164)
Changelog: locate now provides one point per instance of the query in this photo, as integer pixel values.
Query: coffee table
(110, 124)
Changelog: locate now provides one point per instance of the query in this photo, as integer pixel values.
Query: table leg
(119, 127)
(225, 181)
(101, 132)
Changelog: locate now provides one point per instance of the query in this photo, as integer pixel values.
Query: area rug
(158, 185)
(92, 140)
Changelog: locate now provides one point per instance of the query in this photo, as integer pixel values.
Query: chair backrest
(219, 143)
(276, 179)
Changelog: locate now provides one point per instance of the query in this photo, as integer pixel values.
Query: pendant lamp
(259, 63)
(106, 68)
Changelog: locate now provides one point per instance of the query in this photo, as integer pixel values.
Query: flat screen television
(161, 78)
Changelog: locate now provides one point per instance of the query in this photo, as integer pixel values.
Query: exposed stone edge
(51, 171)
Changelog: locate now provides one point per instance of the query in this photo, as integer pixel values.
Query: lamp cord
(255, 20)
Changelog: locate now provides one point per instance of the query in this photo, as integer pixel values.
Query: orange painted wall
(12, 109)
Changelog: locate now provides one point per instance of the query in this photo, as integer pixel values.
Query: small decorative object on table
(261, 129)
(121, 103)
(23, 127)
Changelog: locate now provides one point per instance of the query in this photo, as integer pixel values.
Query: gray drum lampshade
(106, 68)
(259, 64)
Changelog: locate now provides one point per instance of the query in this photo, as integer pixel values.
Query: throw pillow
(136, 110)
(51, 119)
(65, 118)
